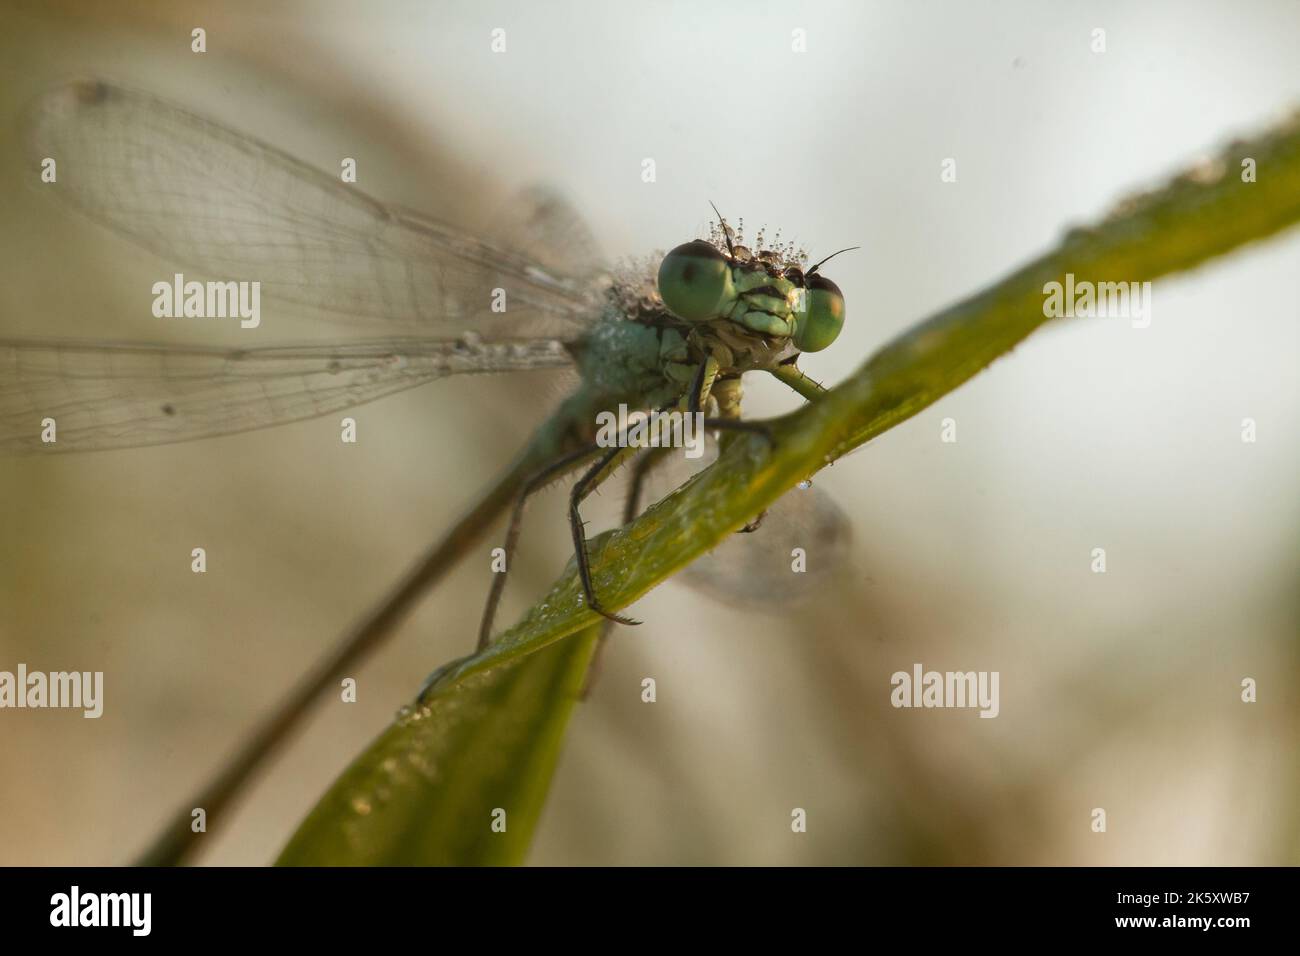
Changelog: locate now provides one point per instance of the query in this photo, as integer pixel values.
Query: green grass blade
(424, 792)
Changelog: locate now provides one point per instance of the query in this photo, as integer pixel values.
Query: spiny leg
(793, 377)
(729, 406)
(587, 484)
(700, 385)
(534, 484)
(631, 508)
(529, 488)
(701, 382)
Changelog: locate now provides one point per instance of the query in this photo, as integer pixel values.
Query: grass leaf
(425, 791)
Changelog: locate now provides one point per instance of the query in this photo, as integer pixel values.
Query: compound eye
(695, 280)
(818, 327)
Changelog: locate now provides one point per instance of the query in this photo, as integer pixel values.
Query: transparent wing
(540, 224)
(111, 395)
(755, 570)
(233, 208)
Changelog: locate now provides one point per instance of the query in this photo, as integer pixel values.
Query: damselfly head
(768, 291)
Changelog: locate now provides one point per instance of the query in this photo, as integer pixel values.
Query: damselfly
(677, 333)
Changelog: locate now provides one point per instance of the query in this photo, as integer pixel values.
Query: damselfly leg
(530, 487)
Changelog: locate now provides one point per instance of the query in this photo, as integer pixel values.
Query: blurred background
(1118, 690)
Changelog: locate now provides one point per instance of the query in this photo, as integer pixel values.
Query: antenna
(828, 259)
(726, 236)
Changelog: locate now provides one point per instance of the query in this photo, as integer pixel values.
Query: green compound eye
(695, 280)
(820, 325)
